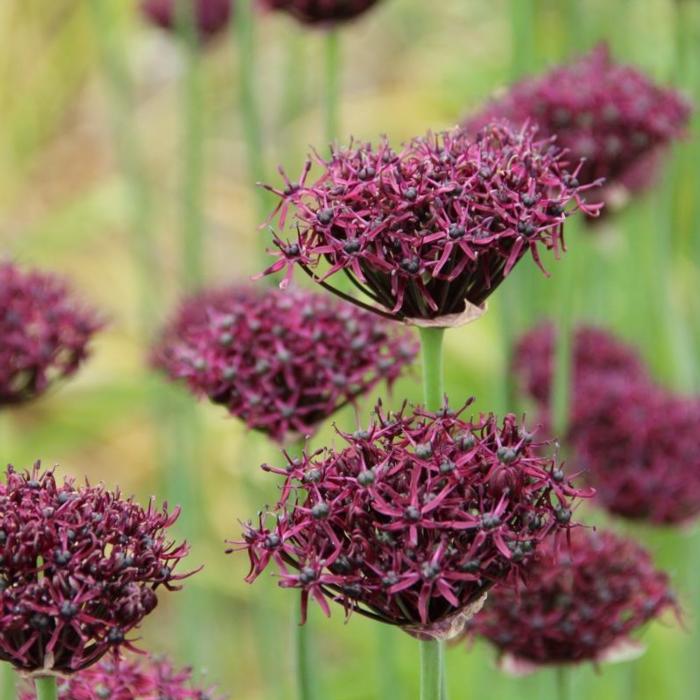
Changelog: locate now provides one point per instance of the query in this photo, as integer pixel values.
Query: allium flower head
(44, 333)
(322, 12)
(414, 520)
(581, 602)
(611, 115)
(79, 569)
(429, 232)
(282, 361)
(128, 679)
(211, 17)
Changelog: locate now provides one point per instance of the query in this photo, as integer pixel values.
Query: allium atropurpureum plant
(149, 678)
(429, 232)
(321, 12)
(635, 440)
(581, 601)
(80, 567)
(611, 115)
(281, 361)
(209, 17)
(44, 333)
(414, 520)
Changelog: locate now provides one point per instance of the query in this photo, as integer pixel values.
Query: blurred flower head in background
(281, 361)
(80, 568)
(44, 332)
(145, 678)
(414, 520)
(321, 12)
(611, 115)
(211, 17)
(430, 232)
(580, 602)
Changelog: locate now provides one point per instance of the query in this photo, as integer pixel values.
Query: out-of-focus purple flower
(611, 115)
(149, 678)
(322, 12)
(44, 333)
(414, 520)
(211, 17)
(580, 603)
(428, 233)
(79, 569)
(281, 361)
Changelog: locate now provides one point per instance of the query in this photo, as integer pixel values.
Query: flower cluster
(611, 115)
(128, 679)
(429, 233)
(79, 569)
(322, 12)
(44, 333)
(581, 602)
(636, 441)
(282, 361)
(414, 520)
(210, 17)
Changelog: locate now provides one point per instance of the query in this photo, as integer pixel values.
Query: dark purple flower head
(429, 232)
(580, 602)
(322, 12)
(44, 333)
(151, 678)
(79, 569)
(414, 520)
(211, 17)
(611, 115)
(282, 361)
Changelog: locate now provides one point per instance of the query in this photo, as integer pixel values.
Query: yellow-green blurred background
(93, 162)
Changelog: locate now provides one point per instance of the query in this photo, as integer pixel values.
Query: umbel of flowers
(321, 12)
(130, 678)
(582, 601)
(636, 441)
(80, 568)
(611, 115)
(414, 520)
(280, 361)
(44, 333)
(427, 233)
(210, 17)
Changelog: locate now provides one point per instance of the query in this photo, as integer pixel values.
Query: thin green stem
(332, 77)
(433, 373)
(563, 681)
(430, 670)
(46, 688)
(523, 26)
(8, 682)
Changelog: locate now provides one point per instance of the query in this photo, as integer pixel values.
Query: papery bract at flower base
(79, 569)
(322, 12)
(430, 232)
(580, 601)
(44, 333)
(282, 361)
(211, 17)
(414, 520)
(149, 678)
(611, 115)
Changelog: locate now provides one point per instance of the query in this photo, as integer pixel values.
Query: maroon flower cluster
(415, 520)
(429, 232)
(636, 441)
(211, 17)
(44, 333)
(79, 569)
(128, 679)
(581, 602)
(611, 115)
(322, 12)
(280, 361)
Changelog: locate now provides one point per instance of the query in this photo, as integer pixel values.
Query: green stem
(332, 75)
(433, 373)
(388, 673)
(563, 681)
(46, 688)
(523, 28)
(430, 670)
(8, 682)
